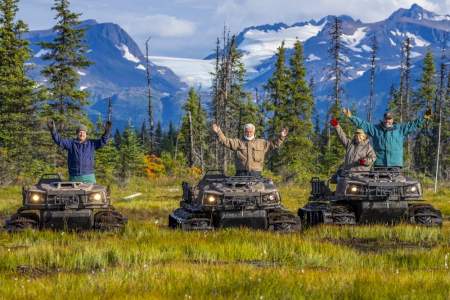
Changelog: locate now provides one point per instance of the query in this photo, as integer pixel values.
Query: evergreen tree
(298, 152)
(117, 138)
(144, 136)
(446, 132)
(424, 153)
(278, 89)
(106, 158)
(250, 112)
(67, 57)
(131, 156)
(193, 131)
(18, 119)
(169, 140)
(158, 136)
(334, 152)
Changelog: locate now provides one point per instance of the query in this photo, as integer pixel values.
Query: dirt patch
(33, 272)
(375, 245)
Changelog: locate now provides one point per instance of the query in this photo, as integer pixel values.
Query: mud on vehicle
(219, 201)
(382, 195)
(56, 204)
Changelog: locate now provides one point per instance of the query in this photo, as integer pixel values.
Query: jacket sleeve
(233, 144)
(102, 141)
(274, 144)
(63, 143)
(341, 135)
(364, 125)
(411, 126)
(371, 156)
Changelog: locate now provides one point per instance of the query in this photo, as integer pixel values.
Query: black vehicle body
(382, 195)
(219, 201)
(56, 204)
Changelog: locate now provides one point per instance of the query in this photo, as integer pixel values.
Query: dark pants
(248, 173)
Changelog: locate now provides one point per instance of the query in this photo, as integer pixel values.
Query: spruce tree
(131, 156)
(193, 131)
(106, 158)
(424, 153)
(18, 119)
(169, 140)
(157, 140)
(278, 91)
(66, 55)
(334, 152)
(297, 154)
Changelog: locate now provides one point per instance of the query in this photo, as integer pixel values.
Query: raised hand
(284, 132)
(334, 122)
(347, 112)
(215, 128)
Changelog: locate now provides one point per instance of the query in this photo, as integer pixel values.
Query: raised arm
(359, 123)
(105, 137)
(340, 132)
(410, 127)
(342, 136)
(277, 142)
(232, 144)
(63, 143)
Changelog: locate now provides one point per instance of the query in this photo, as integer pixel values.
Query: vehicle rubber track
(283, 221)
(188, 221)
(315, 213)
(425, 214)
(109, 220)
(19, 223)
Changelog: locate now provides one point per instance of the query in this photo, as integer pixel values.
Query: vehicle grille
(240, 201)
(69, 200)
(384, 191)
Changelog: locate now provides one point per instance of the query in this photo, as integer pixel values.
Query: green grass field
(149, 261)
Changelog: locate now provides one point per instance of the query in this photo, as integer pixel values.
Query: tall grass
(147, 260)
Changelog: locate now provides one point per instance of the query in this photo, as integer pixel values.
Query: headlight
(210, 199)
(413, 189)
(36, 197)
(270, 197)
(95, 197)
(353, 189)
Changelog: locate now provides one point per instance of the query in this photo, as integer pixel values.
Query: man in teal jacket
(388, 137)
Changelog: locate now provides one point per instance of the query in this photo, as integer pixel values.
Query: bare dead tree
(373, 58)
(149, 96)
(439, 103)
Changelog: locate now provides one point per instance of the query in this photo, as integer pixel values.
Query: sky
(188, 28)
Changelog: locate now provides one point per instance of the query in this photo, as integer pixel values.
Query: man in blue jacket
(80, 151)
(388, 137)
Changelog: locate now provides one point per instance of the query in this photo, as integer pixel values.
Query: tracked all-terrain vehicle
(382, 195)
(219, 201)
(56, 204)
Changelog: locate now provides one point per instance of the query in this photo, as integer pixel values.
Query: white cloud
(159, 25)
(188, 28)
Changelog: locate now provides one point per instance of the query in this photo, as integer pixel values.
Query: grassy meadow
(149, 261)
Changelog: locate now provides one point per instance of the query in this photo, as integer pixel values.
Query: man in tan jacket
(250, 152)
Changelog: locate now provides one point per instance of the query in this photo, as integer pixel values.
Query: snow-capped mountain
(119, 72)
(426, 30)
(259, 44)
